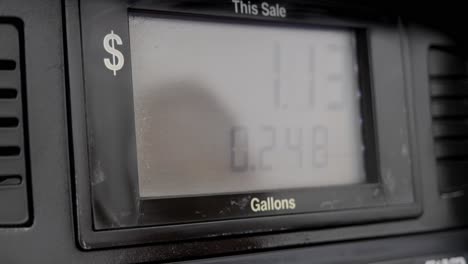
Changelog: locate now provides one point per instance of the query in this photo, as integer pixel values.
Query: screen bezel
(158, 210)
(114, 202)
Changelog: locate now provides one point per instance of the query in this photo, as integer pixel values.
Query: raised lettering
(236, 2)
(254, 10)
(264, 206)
(272, 204)
(278, 205)
(254, 204)
(282, 12)
(265, 10)
(292, 204)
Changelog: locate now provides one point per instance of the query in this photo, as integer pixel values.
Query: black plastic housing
(53, 72)
(114, 214)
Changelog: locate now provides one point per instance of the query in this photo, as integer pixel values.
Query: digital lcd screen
(233, 108)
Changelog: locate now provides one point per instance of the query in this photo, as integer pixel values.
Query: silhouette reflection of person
(183, 139)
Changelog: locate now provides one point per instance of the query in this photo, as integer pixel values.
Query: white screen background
(229, 108)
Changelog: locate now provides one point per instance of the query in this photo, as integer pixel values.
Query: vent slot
(14, 201)
(10, 180)
(8, 122)
(8, 93)
(7, 65)
(448, 84)
(9, 151)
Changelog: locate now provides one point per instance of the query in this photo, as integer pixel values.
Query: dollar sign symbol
(109, 45)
